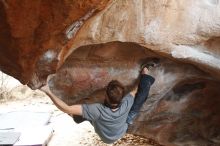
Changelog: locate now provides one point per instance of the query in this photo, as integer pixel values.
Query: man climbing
(111, 119)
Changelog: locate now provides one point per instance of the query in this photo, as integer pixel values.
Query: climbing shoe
(151, 63)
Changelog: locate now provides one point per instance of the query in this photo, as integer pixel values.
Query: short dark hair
(115, 92)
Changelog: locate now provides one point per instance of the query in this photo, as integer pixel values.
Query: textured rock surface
(119, 35)
(185, 30)
(32, 33)
(181, 101)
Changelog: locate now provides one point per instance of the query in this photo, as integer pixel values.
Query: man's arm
(73, 110)
(134, 91)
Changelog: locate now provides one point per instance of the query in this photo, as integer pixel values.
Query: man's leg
(143, 90)
(78, 119)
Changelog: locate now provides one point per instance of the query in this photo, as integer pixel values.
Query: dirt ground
(66, 131)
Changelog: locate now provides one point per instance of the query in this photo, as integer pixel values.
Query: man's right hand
(145, 71)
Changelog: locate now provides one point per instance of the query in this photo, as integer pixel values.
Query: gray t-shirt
(109, 125)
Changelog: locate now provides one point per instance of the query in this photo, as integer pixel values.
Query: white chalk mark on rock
(73, 29)
(49, 55)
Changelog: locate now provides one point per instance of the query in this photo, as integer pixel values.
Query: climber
(112, 118)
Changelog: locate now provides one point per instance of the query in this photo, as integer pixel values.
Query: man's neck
(114, 109)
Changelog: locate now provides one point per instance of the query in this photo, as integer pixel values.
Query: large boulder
(32, 33)
(87, 43)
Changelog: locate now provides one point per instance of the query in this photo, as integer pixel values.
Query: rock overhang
(87, 48)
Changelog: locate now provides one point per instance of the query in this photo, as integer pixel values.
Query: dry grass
(11, 89)
(5, 92)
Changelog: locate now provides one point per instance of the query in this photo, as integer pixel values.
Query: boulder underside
(86, 44)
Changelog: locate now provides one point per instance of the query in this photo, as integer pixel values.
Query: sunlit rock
(89, 43)
(32, 33)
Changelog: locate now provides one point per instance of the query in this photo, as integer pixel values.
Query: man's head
(115, 92)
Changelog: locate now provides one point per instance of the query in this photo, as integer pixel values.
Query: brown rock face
(89, 43)
(28, 29)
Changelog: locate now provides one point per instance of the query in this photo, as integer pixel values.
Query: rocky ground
(66, 131)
